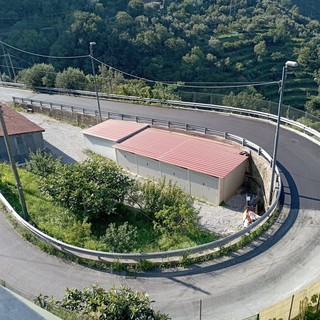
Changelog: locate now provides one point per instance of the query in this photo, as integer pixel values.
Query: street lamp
(94, 80)
(291, 64)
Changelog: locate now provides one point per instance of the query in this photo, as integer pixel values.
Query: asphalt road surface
(233, 288)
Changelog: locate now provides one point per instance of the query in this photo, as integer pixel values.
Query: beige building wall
(208, 188)
(101, 146)
(127, 160)
(148, 168)
(176, 174)
(204, 187)
(232, 181)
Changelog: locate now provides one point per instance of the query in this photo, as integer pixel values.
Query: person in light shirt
(249, 216)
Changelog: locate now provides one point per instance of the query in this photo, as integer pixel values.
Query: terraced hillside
(192, 42)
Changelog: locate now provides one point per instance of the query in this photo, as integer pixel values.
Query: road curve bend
(229, 289)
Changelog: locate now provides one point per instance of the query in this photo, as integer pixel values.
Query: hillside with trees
(195, 43)
(309, 8)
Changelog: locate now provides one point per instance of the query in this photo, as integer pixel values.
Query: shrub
(97, 303)
(154, 196)
(179, 218)
(42, 163)
(120, 239)
(91, 189)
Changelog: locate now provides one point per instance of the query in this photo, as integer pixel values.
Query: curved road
(233, 288)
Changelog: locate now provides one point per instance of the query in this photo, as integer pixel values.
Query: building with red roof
(207, 168)
(25, 136)
(101, 137)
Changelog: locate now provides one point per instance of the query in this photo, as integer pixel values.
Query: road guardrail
(173, 255)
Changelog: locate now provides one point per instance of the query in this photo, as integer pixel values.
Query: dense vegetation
(95, 205)
(97, 303)
(309, 8)
(186, 40)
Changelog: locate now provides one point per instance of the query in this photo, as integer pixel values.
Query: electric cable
(42, 55)
(178, 83)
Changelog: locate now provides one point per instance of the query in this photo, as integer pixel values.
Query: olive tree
(71, 78)
(39, 75)
(98, 303)
(91, 189)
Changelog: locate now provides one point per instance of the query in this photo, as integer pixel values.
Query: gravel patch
(61, 139)
(66, 141)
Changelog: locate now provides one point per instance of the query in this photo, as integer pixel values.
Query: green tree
(122, 238)
(40, 75)
(176, 219)
(313, 106)
(91, 189)
(137, 88)
(152, 196)
(98, 303)
(135, 7)
(244, 100)
(109, 79)
(165, 91)
(260, 49)
(71, 78)
(86, 26)
(124, 20)
(43, 163)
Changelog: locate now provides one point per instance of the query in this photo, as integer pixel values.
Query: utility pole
(5, 59)
(13, 166)
(12, 68)
(291, 64)
(95, 81)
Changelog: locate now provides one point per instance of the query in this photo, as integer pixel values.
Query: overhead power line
(35, 17)
(42, 55)
(222, 85)
(200, 85)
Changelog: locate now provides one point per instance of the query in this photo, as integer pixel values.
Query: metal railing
(181, 104)
(173, 255)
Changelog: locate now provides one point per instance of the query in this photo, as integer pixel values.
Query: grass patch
(143, 265)
(63, 225)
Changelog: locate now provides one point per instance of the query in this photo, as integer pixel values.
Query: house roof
(17, 123)
(115, 130)
(195, 153)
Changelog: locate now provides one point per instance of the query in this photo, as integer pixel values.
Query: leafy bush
(153, 196)
(243, 100)
(71, 78)
(174, 225)
(39, 75)
(97, 303)
(179, 218)
(91, 189)
(42, 163)
(121, 238)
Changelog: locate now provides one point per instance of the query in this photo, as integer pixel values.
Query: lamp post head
(91, 50)
(292, 64)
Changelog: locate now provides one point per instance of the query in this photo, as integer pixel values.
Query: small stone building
(25, 136)
(207, 168)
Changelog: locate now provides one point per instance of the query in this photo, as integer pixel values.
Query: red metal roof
(114, 130)
(195, 153)
(17, 123)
